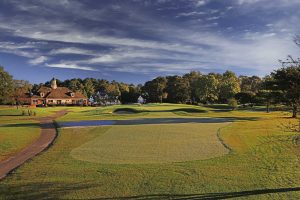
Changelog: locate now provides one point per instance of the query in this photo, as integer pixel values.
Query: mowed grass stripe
(16, 135)
(158, 143)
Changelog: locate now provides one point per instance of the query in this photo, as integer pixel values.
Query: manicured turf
(16, 135)
(131, 144)
(264, 162)
(16, 131)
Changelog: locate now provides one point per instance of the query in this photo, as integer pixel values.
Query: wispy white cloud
(199, 3)
(72, 50)
(70, 66)
(38, 60)
(166, 47)
(188, 14)
(20, 49)
(213, 18)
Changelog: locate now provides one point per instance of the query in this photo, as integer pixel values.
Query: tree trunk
(268, 107)
(295, 108)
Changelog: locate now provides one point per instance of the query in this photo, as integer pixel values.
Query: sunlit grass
(263, 156)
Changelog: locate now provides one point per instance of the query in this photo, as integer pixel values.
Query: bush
(233, 103)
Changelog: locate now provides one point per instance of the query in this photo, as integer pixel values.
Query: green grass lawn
(16, 132)
(264, 161)
(159, 143)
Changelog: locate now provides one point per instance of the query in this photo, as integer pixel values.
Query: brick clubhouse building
(55, 95)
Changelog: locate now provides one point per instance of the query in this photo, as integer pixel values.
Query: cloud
(70, 66)
(148, 44)
(38, 60)
(20, 49)
(199, 3)
(213, 18)
(188, 14)
(72, 50)
(241, 2)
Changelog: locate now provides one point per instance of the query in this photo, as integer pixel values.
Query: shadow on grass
(222, 195)
(153, 121)
(40, 190)
(11, 115)
(52, 190)
(21, 125)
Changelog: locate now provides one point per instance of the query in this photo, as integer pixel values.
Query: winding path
(48, 134)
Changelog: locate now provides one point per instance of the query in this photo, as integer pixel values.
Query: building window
(34, 101)
(72, 94)
(50, 101)
(42, 94)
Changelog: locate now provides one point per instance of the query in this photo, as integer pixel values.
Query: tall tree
(112, 90)
(250, 84)
(207, 89)
(268, 94)
(229, 86)
(193, 78)
(177, 89)
(131, 95)
(287, 81)
(6, 87)
(89, 87)
(75, 85)
(21, 89)
(155, 89)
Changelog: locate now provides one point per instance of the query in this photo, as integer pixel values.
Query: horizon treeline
(194, 87)
(280, 87)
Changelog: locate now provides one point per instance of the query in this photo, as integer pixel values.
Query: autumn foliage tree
(6, 87)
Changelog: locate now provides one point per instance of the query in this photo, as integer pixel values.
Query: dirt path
(48, 134)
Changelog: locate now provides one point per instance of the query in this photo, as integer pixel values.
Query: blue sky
(137, 40)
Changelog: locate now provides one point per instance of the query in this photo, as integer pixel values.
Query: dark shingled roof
(59, 93)
(44, 89)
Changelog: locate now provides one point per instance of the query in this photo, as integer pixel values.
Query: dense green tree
(6, 87)
(287, 81)
(207, 88)
(177, 89)
(193, 79)
(89, 87)
(131, 95)
(75, 84)
(155, 89)
(245, 97)
(229, 86)
(268, 94)
(250, 84)
(101, 85)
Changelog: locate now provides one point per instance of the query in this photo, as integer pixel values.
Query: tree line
(282, 86)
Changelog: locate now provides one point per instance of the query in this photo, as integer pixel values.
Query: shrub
(233, 103)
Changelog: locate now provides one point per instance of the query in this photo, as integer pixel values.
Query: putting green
(158, 143)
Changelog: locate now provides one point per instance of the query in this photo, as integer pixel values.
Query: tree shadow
(58, 190)
(207, 196)
(11, 115)
(41, 190)
(21, 125)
